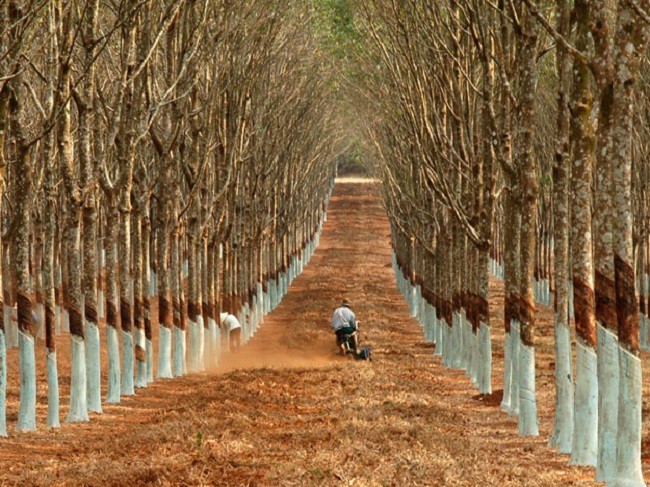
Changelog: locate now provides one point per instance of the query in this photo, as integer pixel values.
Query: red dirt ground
(287, 411)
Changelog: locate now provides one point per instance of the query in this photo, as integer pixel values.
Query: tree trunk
(113, 392)
(528, 424)
(126, 294)
(585, 441)
(179, 328)
(138, 306)
(165, 312)
(147, 289)
(562, 436)
(631, 36)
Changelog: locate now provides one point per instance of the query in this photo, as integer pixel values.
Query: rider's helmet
(346, 302)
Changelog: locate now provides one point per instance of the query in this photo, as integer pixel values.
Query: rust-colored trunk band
(111, 314)
(584, 302)
(50, 316)
(76, 323)
(177, 312)
(90, 313)
(455, 302)
(509, 311)
(165, 316)
(25, 321)
(527, 333)
(527, 320)
(605, 301)
(468, 305)
(482, 310)
(138, 313)
(626, 305)
(192, 310)
(148, 333)
(427, 295)
(448, 311)
(126, 316)
(207, 310)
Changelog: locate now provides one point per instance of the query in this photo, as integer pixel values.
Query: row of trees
(171, 155)
(477, 160)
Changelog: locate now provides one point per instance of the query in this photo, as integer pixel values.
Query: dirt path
(286, 411)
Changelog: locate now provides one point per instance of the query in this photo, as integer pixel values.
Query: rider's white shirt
(230, 321)
(343, 318)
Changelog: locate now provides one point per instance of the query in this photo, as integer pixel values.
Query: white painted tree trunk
(628, 454)
(78, 397)
(165, 353)
(207, 347)
(179, 352)
(93, 368)
(242, 316)
(149, 360)
(219, 345)
(128, 358)
(448, 345)
(507, 372)
(413, 301)
(201, 336)
(473, 355)
(27, 364)
(272, 295)
(457, 343)
(52, 391)
(467, 359)
(261, 302)
(429, 336)
(193, 346)
(440, 324)
(527, 400)
(562, 438)
(213, 337)
(484, 366)
(268, 299)
(585, 430)
(515, 343)
(114, 373)
(607, 369)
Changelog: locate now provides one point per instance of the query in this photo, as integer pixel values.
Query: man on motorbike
(345, 323)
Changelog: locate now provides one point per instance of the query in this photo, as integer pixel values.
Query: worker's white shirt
(343, 318)
(230, 321)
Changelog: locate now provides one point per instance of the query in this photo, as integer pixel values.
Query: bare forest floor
(288, 411)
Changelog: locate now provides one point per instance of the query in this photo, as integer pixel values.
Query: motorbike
(365, 352)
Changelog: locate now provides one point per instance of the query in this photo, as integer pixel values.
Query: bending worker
(344, 323)
(233, 327)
